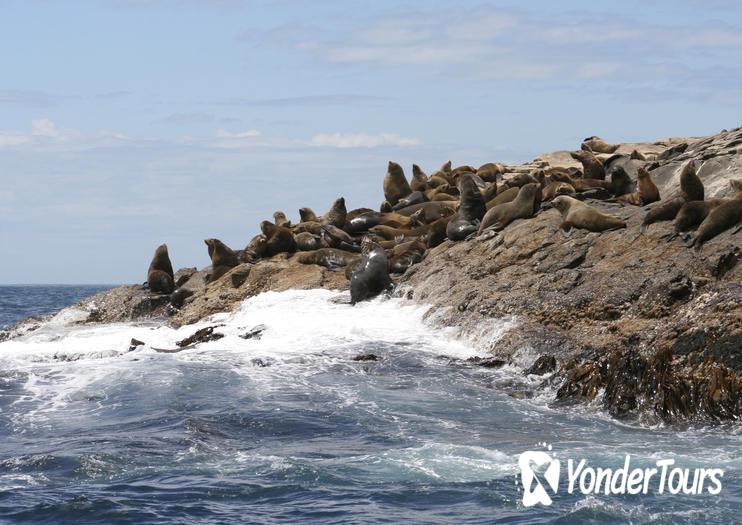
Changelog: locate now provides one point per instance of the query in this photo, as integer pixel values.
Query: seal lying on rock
(522, 207)
(577, 214)
(471, 210)
(598, 145)
(720, 218)
(223, 258)
(372, 276)
(278, 239)
(160, 273)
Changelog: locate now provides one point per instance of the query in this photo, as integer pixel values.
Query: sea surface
(285, 427)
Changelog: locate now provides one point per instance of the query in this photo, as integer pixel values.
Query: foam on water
(294, 417)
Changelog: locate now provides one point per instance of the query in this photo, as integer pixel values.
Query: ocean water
(288, 428)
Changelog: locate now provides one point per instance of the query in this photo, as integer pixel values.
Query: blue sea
(286, 427)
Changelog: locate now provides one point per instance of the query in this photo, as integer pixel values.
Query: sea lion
(462, 169)
(405, 255)
(278, 239)
(491, 172)
(160, 274)
(416, 197)
(254, 250)
(395, 184)
(557, 188)
(337, 214)
(334, 237)
(279, 218)
(431, 210)
(306, 241)
(419, 179)
(436, 232)
(444, 173)
(436, 181)
(307, 215)
(581, 185)
(691, 189)
(330, 258)
(390, 233)
(372, 276)
(521, 179)
(592, 168)
(490, 192)
(720, 218)
(502, 197)
(577, 214)
(352, 214)
(646, 193)
(223, 258)
(692, 213)
(385, 207)
(636, 155)
(522, 207)
(598, 145)
(471, 210)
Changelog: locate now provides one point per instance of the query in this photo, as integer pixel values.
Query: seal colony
(646, 323)
(468, 204)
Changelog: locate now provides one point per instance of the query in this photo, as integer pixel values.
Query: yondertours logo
(540, 473)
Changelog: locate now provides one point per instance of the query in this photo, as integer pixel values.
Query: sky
(125, 124)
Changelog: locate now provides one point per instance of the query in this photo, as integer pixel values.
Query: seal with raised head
(577, 214)
(372, 276)
(598, 145)
(337, 214)
(646, 192)
(395, 184)
(307, 215)
(223, 258)
(720, 218)
(522, 207)
(691, 189)
(279, 218)
(592, 167)
(160, 274)
(471, 210)
(419, 179)
(278, 239)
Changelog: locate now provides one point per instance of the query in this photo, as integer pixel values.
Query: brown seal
(491, 172)
(307, 215)
(223, 258)
(522, 207)
(592, 167)
(337, 214)
(720, 218)
(254, 250)
(419, 179)
(278, 239)
(395, 184)
(160, 273)
(646, 193)
(557, 188)
(504, 196)
(598, 145)
(405, 255)
(692, 213)
(691, 189)
(577, 214)
(306, 241)
(279, 218)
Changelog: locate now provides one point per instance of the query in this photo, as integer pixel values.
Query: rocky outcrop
(636, 321)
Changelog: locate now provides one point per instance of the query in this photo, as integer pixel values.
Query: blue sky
(125, 123)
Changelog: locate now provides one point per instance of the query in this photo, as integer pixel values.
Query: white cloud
(361, 140)
(223, 134)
